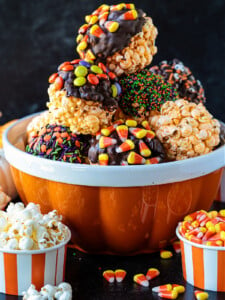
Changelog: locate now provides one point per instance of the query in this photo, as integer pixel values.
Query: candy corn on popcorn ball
(185, 129)
(87, 101)
(126, 143)
(120, 35)
(204, 227)
(83, 96)
(48, 292)
(25, 228)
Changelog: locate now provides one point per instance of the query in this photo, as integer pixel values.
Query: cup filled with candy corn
(202, 237)
(32, 248)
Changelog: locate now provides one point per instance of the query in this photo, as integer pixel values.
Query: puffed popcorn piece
(49, 292)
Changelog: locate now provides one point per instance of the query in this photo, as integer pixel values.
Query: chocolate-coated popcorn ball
(126, 143)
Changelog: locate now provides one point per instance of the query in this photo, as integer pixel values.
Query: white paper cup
(203, 266)
(19, 269)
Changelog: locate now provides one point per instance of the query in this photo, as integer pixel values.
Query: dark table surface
(84, 273)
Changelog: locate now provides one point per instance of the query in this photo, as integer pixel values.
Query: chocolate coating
(181, 78)
(111, 42)
(101, 92)
(116, 158)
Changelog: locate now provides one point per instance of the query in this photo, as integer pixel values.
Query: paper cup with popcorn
(203, 249)
(32, 248)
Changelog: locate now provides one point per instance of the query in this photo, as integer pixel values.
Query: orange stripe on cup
(221, 271)
(198, 267)
(38, 270)
(64, 264)
(10, 262)
(183, 260)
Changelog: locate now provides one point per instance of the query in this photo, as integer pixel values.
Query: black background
(36, 36)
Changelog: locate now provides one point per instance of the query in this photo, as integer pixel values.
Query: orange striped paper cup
(203, 266)
(19, 269)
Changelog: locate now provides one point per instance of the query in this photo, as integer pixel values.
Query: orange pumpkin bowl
(121, 210)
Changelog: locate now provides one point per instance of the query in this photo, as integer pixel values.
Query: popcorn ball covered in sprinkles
(83, 96)
(186, 129)
(120, 35)
(126, 143)
(57, 142)
(143, 92)
(181, 77)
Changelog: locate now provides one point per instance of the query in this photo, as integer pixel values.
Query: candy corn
(138, 132)
(152, 273)
(141, 279)
(200, 295)
(96, 31)
(131, 123)
(83, 29)
(103, 159)
(162, 288)
(130, 15)
(180, 289)
(176, 246)
(112, 26)
(168, 295)
(165, 254)
(109, 275)
(144, 150)
(145, 124)
(153, 160)
(107, 131)
(120, 275)
(122, 131)
(103, 18)
(89, 55)
(104, 142)
(135, 159)
(126, 146)
(150, 135)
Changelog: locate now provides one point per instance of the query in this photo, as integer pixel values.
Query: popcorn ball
(143, 92)
(83, 96)
(25, 228)
(61, 292)
(35, 125)
(121, 35)
(4, 198)
(57, 142)
(181, 77)
(126, 143)
(185, 129)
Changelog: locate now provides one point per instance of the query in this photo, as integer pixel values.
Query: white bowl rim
(40, 251)
(110, 176)
(202, 246)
